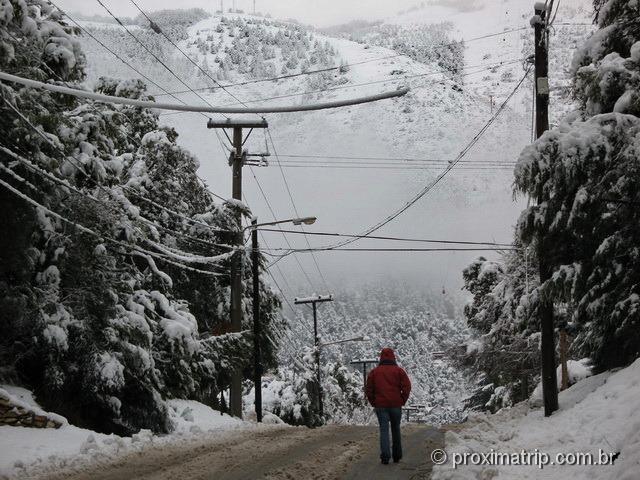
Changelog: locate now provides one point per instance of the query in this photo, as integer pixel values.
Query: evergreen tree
(584, 180)
(106, 321)
(505, 352)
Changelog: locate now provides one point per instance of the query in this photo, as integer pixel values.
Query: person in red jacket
(388, 388)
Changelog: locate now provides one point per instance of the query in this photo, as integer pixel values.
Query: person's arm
(370, 389)
(405, 386)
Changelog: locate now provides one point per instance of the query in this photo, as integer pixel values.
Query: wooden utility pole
(316, 340)
(237, 160)
(257, 354)
(548, 351)
(364, 364)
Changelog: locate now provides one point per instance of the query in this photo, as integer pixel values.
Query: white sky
(316, 12)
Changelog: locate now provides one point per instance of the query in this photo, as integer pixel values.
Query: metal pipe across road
(197, 108)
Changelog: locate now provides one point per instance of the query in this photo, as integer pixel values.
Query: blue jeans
(391, 416)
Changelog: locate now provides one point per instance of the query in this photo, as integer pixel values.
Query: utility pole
(257, 325)
(237, 159)
(257, 354)
(364, 364)
(548, 351)
(314, 300)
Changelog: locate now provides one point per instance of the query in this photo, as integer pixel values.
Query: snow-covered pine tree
(584, 179)
(505, 352)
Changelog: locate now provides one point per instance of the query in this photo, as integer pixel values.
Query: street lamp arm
(295, 221)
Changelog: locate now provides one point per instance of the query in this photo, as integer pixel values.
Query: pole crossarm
(232, 123)
(313, 299)
(198, 108)
(365, 361)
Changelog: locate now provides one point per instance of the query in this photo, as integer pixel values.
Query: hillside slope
(433, 122)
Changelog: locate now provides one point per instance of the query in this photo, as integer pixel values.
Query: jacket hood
(387, 355)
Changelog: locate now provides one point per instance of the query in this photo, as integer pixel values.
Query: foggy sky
(315, 12)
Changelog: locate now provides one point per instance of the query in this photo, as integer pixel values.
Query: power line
(306, 238)
(372, 158)
(293, 204)
(206, 73)
(131, 67)
(375, 82)
(136, 249)
(148, 50)
(437, 180)
(426, 163)
(187, 56)
(397, 239)
(95, 109)
(348, 65)
(373, 167)
(83, 29)
(275, 218)
(54, 179)
(340, 249)
(72, 160)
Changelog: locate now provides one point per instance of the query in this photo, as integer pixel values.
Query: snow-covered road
(333, 452)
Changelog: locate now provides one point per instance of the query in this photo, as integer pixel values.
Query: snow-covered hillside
(573, 23)
(432, 123)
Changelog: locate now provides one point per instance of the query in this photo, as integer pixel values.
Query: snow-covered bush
(292, 393)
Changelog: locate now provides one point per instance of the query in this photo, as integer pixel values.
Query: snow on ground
(597, 414)
(25, 452)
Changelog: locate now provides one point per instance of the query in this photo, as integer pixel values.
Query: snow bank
(189, 416)
(577, 370)
(26, 452)
(599, 413)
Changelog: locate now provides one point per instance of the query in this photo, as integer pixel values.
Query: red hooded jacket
(388, 385)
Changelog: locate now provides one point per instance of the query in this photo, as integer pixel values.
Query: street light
(305, 220)
(361, 338)
(295, 221)
(257, 354)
